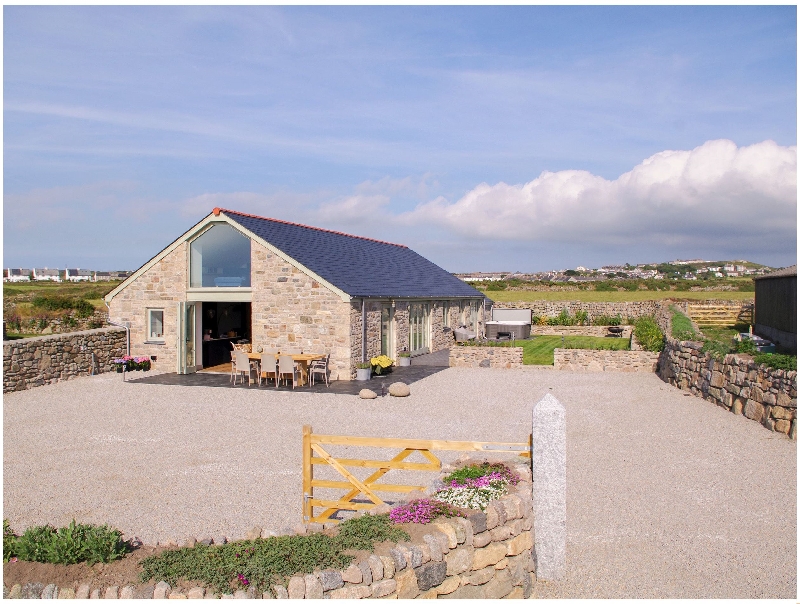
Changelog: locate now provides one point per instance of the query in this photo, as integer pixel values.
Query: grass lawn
(625, 296)
(539, 350)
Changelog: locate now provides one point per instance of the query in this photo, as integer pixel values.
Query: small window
(446, 314)
(155, 324)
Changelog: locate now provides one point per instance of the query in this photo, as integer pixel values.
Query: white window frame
(148, 324)
(446, 313)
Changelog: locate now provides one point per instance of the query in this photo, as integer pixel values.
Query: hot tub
(518, 330)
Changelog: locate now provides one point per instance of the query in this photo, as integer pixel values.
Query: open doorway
(224, 323)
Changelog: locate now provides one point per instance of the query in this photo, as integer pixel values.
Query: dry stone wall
(552, 308)
(604, 360)
(32, 362)
(737, 383)
(501, 357)
(583, 330)
(487, 555)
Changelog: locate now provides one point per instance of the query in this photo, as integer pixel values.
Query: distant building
(776, 307)
(15, 275)
(47, 274)
(77, 274)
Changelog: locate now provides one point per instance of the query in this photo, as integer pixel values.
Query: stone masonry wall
(487, 555)
(737, 383)
(292, 310)
(486, 356)
(583, 330)
(32, 362)
(552, 308)
(161, 287)
(604, 360)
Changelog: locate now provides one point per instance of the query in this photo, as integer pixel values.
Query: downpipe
(125, 327)
(363, 330)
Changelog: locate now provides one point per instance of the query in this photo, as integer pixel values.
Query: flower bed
(129, 363)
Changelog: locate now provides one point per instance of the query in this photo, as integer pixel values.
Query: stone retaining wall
(486, 555)
(737, 383)
(596, 331)
(32, 362)
(604, 360)
(502, 357)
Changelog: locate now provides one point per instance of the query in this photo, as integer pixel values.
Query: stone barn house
(776, 307)
(237, 277)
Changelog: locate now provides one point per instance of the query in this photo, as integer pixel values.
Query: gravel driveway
(668, 495)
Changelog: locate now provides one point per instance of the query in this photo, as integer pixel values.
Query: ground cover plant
(539, 350)
(67, 545)
(721, 340)
(476, 485)
(682, 326)
(423, 511)
(264, 562)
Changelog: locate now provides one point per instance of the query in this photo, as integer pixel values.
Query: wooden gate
(720, 315)
(314, 453)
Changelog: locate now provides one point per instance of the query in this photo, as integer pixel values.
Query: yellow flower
(382, 361)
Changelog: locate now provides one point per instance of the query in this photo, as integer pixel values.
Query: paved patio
(668, 496)
(378, 384)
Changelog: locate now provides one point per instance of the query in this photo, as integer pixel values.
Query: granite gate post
(549, 460)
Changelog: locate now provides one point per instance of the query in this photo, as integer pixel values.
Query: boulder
(399, 389)
(367, 393)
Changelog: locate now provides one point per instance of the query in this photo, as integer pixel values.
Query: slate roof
(789, 271)
(359, 266)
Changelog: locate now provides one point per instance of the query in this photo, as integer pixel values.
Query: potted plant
(381, 364)
(404, 359)
(363, 371)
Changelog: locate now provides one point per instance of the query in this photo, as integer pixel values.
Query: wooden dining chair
(269, 367)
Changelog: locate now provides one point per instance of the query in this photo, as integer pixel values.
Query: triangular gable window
(220, 257)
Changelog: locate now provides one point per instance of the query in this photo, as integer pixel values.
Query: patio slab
(408, 375)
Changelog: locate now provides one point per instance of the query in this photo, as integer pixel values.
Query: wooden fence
(314, 453)
(720, 315)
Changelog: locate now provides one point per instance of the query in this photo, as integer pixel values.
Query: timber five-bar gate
(314, 453)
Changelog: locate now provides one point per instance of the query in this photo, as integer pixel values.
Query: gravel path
(668, 495)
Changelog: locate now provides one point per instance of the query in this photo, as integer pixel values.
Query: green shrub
(649, 334)
(603, 320)
(777, 361)
(604, 286)
(582, 317)
(83, 308)
(264, 562)
(746, 346)
(68, 545)
(716, 349)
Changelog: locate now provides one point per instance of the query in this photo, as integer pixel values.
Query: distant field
(594, 296)
(87, 291)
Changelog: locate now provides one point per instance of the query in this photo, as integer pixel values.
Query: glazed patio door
(387, 331)
(418, 326)
(187, 362)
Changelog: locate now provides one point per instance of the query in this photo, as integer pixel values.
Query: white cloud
(715, 192)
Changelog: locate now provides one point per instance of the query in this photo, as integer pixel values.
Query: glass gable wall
(220, 257)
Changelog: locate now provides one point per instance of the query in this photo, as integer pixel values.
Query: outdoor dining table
(303, 360)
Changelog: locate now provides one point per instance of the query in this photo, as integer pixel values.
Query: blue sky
(514, 138)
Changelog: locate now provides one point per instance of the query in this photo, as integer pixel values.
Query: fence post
(549, 460)
(308, 473)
